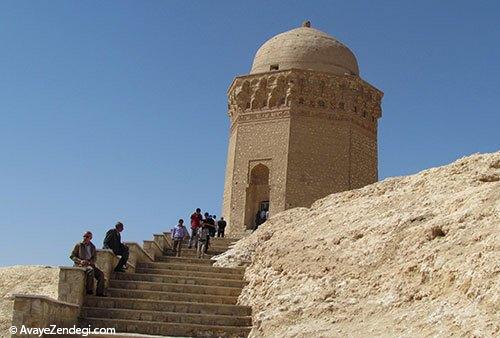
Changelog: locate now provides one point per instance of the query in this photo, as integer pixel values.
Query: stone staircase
(173, 296)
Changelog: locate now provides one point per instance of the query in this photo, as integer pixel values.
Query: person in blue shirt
(178, 234)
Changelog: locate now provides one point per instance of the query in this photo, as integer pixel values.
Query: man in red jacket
(196, 218)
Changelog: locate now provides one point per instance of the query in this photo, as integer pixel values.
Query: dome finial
(307, 24)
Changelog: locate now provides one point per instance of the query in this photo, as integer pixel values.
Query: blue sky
(116, 110)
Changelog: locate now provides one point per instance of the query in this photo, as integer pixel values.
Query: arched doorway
(257, 195)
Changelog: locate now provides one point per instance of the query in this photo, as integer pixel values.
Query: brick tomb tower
(303, 125)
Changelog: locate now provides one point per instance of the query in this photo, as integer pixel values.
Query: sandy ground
(415, 256)
(26, 279)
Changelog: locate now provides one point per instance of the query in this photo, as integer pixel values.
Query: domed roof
(305, 48)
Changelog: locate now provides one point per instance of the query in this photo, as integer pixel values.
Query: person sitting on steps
(178, 235)
(113, 241)
(84, 255)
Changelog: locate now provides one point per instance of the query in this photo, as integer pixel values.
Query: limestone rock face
(413, 256)
(25, 279)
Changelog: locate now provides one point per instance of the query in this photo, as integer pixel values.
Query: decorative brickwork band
(271, 95)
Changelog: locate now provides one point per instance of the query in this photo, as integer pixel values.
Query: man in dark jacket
(208, 221)
(113, 241)
(84, 255)
(221, 226)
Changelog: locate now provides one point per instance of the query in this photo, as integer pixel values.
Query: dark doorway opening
(257, 196)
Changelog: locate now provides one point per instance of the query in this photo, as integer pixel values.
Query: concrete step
(189, 253)
(179, 288)
(169, 317)
(184, 260)
(167, 329)
(187, 273)
(166, 306)
(190, 267)
(214, 246)
(190, 280)
(171, 296)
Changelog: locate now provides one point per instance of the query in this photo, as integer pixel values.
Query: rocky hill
(409, 256)
(25, 279)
